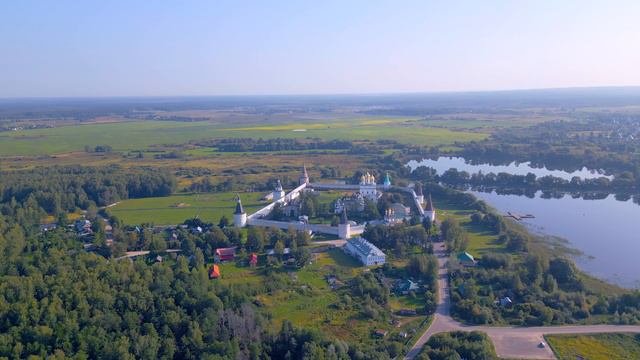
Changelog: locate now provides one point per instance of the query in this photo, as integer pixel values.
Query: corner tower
(344, 228)
(419, 194)
(430, 210)
(239, 216)
(278, 192)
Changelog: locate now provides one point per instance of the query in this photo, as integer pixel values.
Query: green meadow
(140, 135)
(595, 346)
(481, 240)
(176, 209)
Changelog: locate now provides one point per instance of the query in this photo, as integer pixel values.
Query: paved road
(510, 342)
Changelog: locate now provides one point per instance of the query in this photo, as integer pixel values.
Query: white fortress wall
(330, 186)
(267, 209)
(257, 218)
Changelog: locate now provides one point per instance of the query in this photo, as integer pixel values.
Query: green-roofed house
(466, 259)
(405, 286)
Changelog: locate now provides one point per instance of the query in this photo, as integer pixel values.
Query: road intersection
(509, 341)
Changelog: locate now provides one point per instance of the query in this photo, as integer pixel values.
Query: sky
(217, 47)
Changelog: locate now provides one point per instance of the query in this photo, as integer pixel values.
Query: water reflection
(605, 228)
(442, 164)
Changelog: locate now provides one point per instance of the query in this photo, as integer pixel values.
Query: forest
(473, 345)
(277, 144)
(66, 188)
(58, 301)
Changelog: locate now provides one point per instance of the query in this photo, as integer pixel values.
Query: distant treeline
(603, 141)
(624, 182)
(278, 144)
(65, 188)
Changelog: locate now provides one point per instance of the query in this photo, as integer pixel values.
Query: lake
(606, 230)
(443, 164)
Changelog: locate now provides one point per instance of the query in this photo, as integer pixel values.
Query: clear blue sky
(213, 47)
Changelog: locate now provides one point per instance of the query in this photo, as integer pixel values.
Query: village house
(506, 301)
(404, 286)
(286, 252)
(48, 227)
(380, 333)
(225, 254)
(253, 260)
(334, 282)
(466, 259)
(214, 271)
(407, 312)
(83, 227)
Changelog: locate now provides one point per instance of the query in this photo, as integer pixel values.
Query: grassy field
(312, 311)
(595, 346)
(481, 240)
(308, 301)
(138, 135)
(177, 208)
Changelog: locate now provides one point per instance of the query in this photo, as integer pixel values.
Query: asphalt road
(510, 342)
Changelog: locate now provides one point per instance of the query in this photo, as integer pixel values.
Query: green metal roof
(465, 256)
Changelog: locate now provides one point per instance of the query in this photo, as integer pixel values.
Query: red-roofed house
(214, 272)
(225, 254)
(253, 259)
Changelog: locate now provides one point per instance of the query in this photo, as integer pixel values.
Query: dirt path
(510, 342)
(336, 243)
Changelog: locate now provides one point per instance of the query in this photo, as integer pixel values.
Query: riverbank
(597, 226)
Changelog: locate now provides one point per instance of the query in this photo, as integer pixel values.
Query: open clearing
(481, 239)
(595, 346)
(139, 135)
(309, 301)
(175, 209)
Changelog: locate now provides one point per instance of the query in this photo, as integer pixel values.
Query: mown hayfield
(139, 135)
(595, 346)
(176, 209)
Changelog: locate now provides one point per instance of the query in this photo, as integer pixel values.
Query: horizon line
(361, 94)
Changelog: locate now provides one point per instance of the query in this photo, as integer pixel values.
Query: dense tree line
(504, 181)
(454, 235)
(277, 144)
(59, 189)
(472, 345)
(401, 238)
